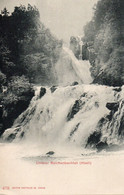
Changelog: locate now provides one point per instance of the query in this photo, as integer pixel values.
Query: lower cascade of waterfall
(78, 116)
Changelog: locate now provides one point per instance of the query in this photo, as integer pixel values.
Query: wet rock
(50, 153)
(121, 127)
(73, 131)
(11, 137)
(74, 83)
(1, 113)
(42, 92)
(113, 106)
(53, 88)
(94, 139)
(22, 134)
(75, 109)
(101, 123)
(118, 89)
(109, 116)
(1, 129)
(83, 95)
(101, 146)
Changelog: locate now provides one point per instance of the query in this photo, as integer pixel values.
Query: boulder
(121, 126)
(74, 83)
(1, 112)
(50, 153)
(11, 137)
(117, 89)
(42, 92)
(94, 139)
(113, 106)
(101, 146)
(75, 109)
(1, 129)
(53, 88)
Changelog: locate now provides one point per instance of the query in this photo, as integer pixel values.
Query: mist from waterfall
(65, 118)
(67, 115)
(64, 121)
(69, 69)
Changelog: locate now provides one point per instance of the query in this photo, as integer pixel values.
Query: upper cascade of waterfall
(70, 69)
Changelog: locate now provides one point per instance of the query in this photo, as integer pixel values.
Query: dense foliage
(26, 46)
(105, 38)
(28, 52)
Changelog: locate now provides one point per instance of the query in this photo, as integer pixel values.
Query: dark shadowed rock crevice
(121, 127)
(75, 109)
(73, 131)
(113, 106)
(53, 88)
(93, 139)
(74, 83)
(42, 92)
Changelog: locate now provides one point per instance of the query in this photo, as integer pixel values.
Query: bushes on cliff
(28, 52)
(105, 36)
(2, 80)
(16, 99)
(22, 38)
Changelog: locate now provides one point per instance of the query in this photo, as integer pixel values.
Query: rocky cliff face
(108, 68)
(80, 50)
(14, 101)
(74, 46)
(104, 36)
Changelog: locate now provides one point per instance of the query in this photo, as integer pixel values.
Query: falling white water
(47, 122)
(69, 115)
(50, 125)
(70, 69)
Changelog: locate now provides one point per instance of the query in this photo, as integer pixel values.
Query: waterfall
(70, 69)
(68, 116)
(75, 115)
(80, 44)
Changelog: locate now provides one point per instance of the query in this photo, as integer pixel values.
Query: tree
(2, 78)
(4, 12)
(22, 38)
(104, 33)
(6, 64)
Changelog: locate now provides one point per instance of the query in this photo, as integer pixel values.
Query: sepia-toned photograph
(61, 97)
